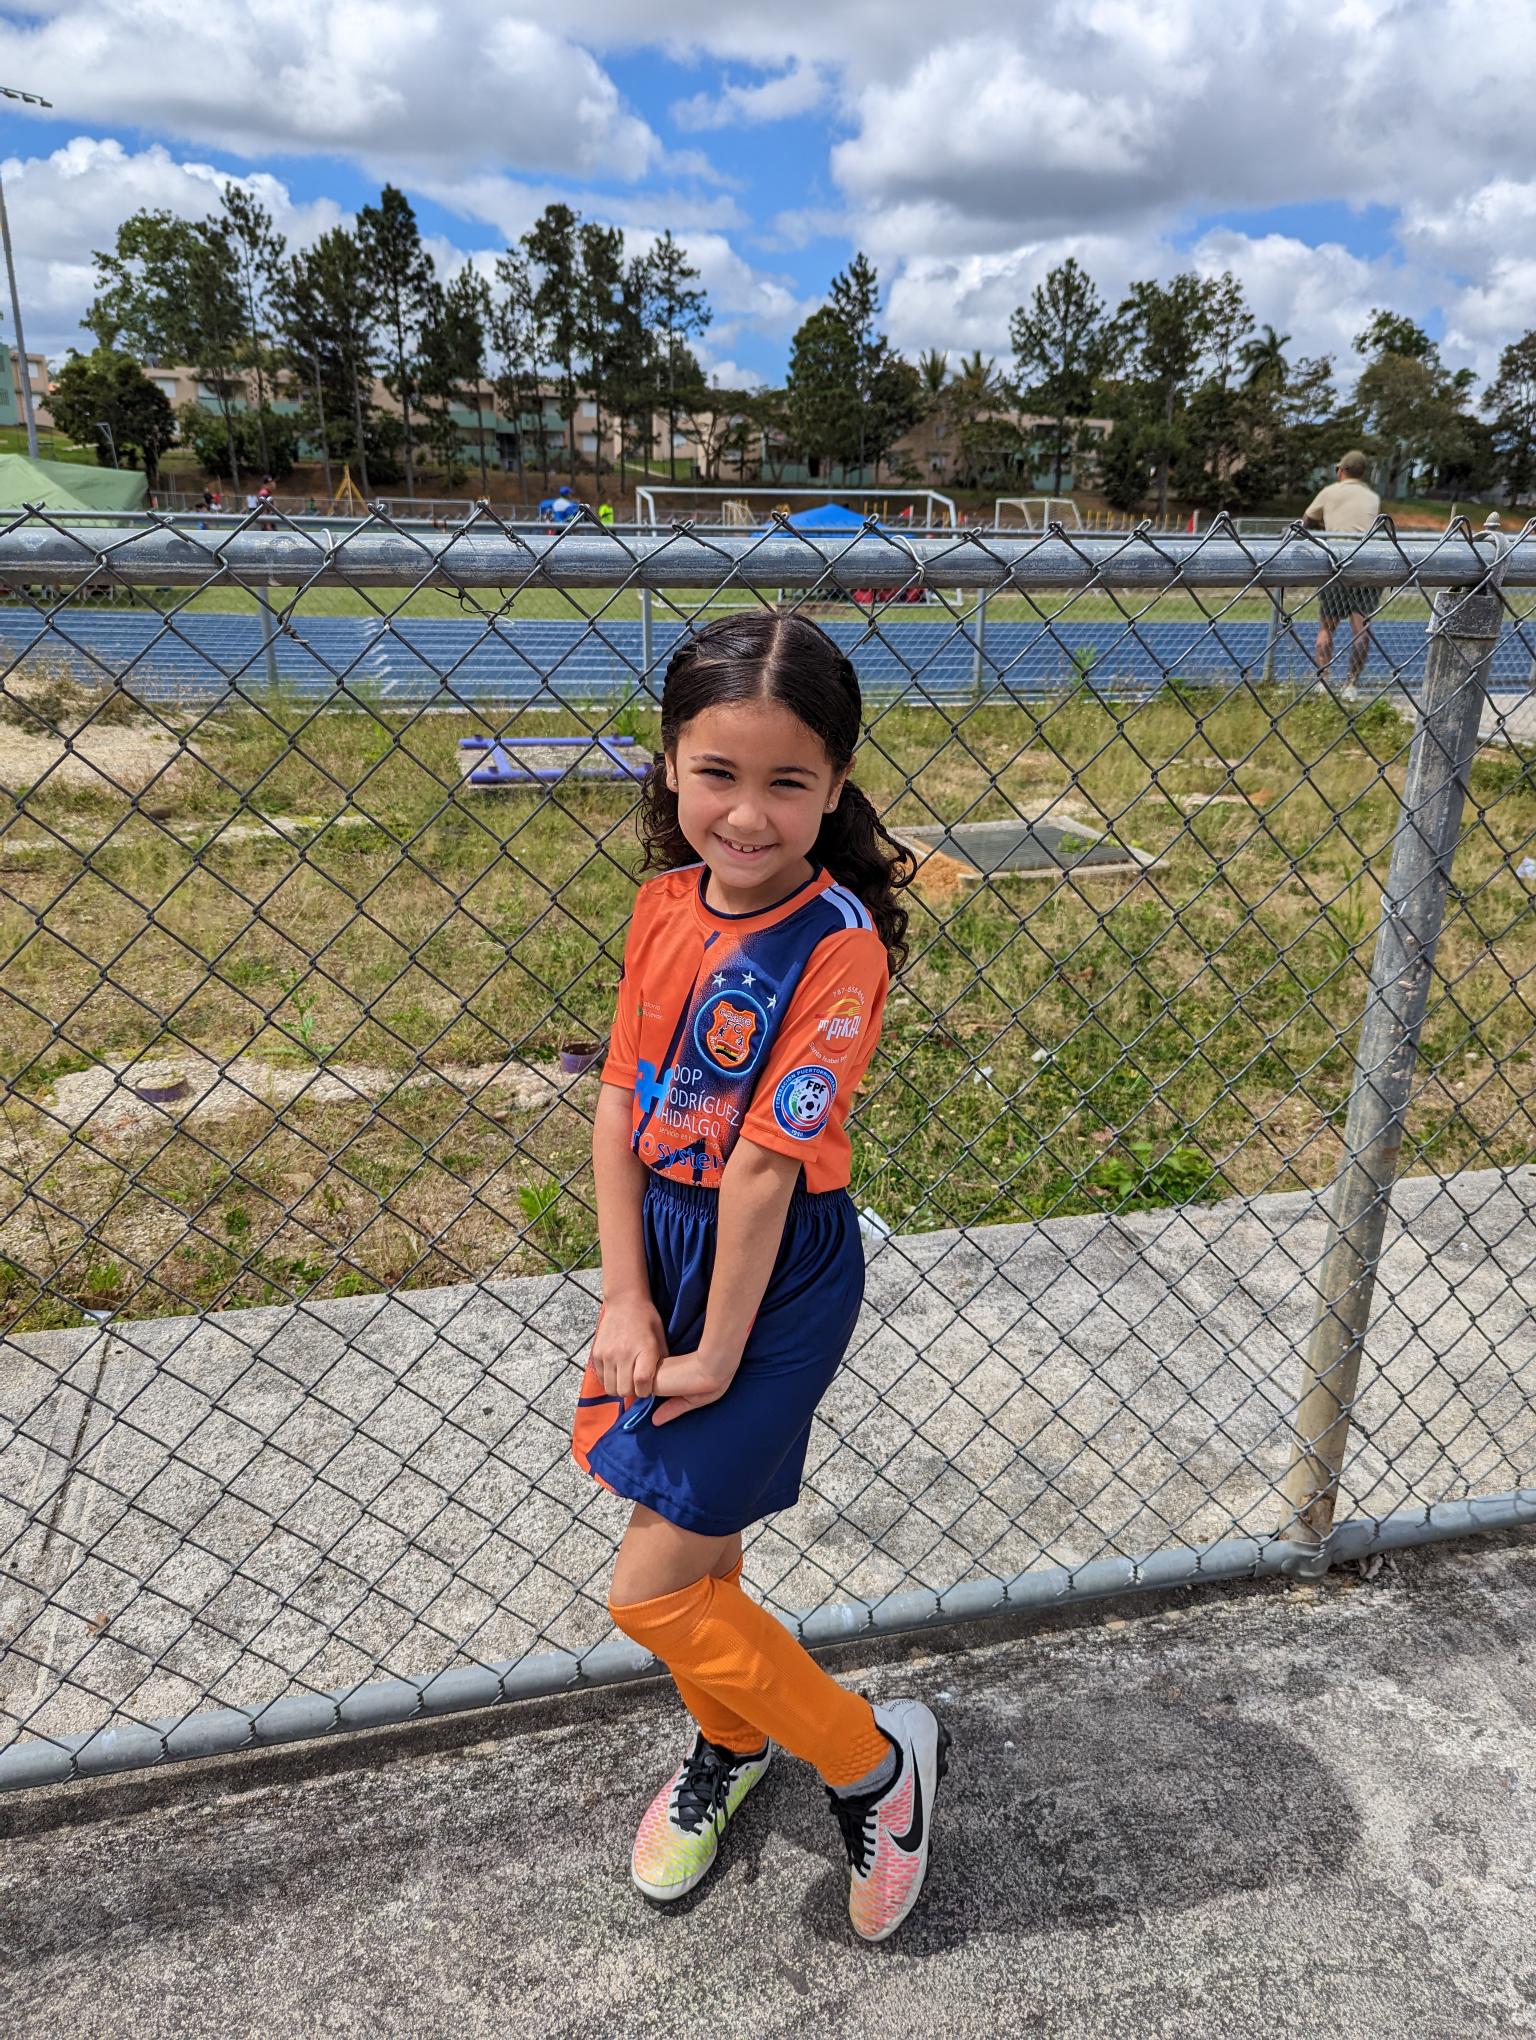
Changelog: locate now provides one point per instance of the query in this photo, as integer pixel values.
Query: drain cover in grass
(1030, 847)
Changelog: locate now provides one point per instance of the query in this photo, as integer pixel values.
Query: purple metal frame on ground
(491, 775)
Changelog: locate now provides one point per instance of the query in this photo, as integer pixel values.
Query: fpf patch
(803, 1100)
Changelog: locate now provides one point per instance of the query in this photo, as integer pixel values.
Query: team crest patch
(730, 1031)
(729, 1039)
(803, 1100)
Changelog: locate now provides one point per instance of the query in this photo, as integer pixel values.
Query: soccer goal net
(734, 508)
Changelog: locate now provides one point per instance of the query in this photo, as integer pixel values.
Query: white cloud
(967, 161)
(977, 131)
(1493, 222)
(511, 205)
(384, 81)
(1255, 106)
(1322, 296)
(65, 205)
(1486, 317)
(801, 225)
(768, 304)
(799, 90)
(960, 302)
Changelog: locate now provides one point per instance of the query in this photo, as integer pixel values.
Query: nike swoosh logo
(912, 1840)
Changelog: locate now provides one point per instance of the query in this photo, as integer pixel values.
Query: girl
(754, 977)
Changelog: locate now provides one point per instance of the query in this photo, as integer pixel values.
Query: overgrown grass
(1093, 1044)
(489, 606)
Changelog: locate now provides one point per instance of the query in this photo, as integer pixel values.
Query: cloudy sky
(1336, 156)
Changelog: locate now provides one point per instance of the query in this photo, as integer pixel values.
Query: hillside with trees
(573, 349)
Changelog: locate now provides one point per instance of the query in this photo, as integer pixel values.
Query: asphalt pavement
(1266, 1810)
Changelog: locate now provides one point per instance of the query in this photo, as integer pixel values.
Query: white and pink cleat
(887, 1832)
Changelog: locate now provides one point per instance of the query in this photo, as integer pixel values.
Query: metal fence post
(1272, 642)
(979, 646)
(268, 632)
(645, 633)
(1463, 632)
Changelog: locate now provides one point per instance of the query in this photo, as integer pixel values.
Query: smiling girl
(754, 980)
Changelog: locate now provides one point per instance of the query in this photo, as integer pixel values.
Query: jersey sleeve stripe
(855, 913)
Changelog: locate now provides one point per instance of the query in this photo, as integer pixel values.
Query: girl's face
(752, 785)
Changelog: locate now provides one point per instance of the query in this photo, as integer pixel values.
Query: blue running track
(200, 656)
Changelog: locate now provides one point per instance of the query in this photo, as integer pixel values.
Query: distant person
(1347, 504)
(566, 508)
(605, 515)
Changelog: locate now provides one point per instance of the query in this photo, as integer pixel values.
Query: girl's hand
(629, 1344)
(689, 1381)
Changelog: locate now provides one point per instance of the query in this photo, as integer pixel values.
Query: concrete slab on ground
(222, 1511)
(1263, 1813)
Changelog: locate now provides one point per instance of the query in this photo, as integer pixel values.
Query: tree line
(1176, 392)
(568, 314)
(1186, 395)
(1202, 404)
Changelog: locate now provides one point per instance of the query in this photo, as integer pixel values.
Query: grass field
(50, 445)
(623, 605)
(1052, 1047)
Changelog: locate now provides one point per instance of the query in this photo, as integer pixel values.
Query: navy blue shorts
(716, 1469)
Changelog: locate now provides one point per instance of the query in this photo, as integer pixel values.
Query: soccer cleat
(680, 1832)
(887, 1832)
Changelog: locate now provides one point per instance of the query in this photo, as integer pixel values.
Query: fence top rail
(45, 548)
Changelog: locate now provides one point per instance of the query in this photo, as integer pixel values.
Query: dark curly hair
(769, 655)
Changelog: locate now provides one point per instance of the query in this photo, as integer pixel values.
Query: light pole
(24, 374)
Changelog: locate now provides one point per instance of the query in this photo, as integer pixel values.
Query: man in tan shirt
(1348, 504)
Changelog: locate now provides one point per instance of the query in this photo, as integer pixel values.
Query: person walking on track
(1348, 503)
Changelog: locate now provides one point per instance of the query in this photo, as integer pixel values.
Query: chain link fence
(1194, 1165)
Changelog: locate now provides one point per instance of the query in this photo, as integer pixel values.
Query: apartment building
(12, 408)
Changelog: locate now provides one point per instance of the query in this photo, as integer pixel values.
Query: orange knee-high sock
(720, 1723)
(719, 1640)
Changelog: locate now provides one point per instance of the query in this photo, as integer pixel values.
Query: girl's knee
(664, 1621)
(659, 1558)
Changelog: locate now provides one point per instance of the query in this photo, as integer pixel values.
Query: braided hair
(770, 655)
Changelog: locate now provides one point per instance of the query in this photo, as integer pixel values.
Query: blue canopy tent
(838, 517)
(824, 517)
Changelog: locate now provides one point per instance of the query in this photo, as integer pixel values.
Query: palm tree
(977, 384)
(1264, 358)
(933, 367)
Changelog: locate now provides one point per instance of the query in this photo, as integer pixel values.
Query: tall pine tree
(403, 283)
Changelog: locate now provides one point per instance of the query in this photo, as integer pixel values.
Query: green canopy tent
(69, 486)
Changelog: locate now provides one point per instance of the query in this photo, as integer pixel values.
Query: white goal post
(734, 504)
(1036, 512)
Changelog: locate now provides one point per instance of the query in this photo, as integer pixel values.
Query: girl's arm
(755, 1188)
(619, 1175)
(630, 1337)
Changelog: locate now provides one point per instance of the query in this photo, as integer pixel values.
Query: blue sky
(1320, 155)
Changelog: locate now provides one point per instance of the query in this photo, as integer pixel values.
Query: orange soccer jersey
(756, 1024)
